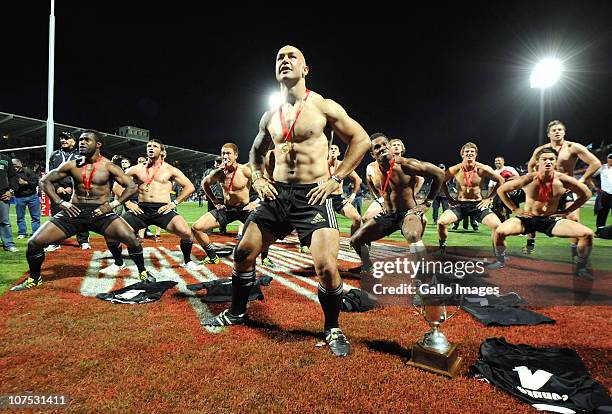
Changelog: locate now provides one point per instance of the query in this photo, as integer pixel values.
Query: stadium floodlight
(275, 100)
(546, 73)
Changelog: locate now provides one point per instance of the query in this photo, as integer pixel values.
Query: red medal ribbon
(545, 193)
(468, 181)
(288, 132)
(150, 180)
(388, 175)
(229, 189)
(86, 181)
(335, 167)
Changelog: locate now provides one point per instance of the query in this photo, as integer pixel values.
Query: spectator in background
(604, 193)
(8, 185)
(63, 187)
(26, 196)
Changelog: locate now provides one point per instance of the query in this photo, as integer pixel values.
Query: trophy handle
(457, 310)
(419, 310)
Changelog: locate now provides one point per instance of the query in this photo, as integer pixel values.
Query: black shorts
(230, 214)
(338, 201)
(391, 222)
(470, 209)
(290, 210)
(85, 221)
(542, 224)
(149, 217)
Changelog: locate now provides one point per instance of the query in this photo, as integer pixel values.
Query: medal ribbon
(150, 180)
(288, 132)
(544, 191)
(229, 189)
(468, 181)
(388, 175)
(335, 167)
(86, 181)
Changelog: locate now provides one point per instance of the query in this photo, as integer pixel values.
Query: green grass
(14, 265)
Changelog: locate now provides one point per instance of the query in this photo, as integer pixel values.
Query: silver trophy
(434, 352)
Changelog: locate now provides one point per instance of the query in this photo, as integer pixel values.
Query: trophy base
(447, 364)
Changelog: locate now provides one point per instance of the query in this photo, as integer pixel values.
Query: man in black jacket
(26, 196)
(64, 187)
(8, 185)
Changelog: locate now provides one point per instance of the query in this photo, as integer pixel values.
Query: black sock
(36, 257)
(330, 302)
(115, 249)
(264, 254)
(442, 243)
(210, 251)
(500, 254)
(186, 249)
(574, 249)
(531, 242)
(138, 258)
(242, 282)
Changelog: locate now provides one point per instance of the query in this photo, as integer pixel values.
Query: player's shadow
(388, 347)
(305, 272)
(276, 333)
(62, 271)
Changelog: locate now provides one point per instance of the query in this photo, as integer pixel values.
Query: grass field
(14, 264)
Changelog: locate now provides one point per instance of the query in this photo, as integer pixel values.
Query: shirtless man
(88, 209)
(298, 196)
(154, 180)
(341, 205)
(569, 154)
(376, 206)
(468, 177)
(235, 180)
(396, 179)
(544, 191)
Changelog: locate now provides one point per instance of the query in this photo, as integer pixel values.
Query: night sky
(436, 78)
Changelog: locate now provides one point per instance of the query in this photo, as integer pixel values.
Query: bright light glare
(546, 73)
(275, 100)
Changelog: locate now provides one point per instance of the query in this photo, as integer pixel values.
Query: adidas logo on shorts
(318, 218)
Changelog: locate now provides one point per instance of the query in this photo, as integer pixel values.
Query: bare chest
(310, 123)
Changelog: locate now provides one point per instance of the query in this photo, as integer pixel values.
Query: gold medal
(285, 148)
(147, 187)
(469, 190)
(544, 208)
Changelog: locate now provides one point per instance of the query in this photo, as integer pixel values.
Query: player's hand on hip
(319, 194)
(265, 189)
(485, 203)
(166, 208)
(71, 209)
(421, 208)
(133, 207)
(103, 209)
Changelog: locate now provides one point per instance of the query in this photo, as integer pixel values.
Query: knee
(131, 240)
(244, 254)
(412, 236)
(587, 234)
(326, 268)
(34, 246)
(196, 227)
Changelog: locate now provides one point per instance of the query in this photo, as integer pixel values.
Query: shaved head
(288, 49)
